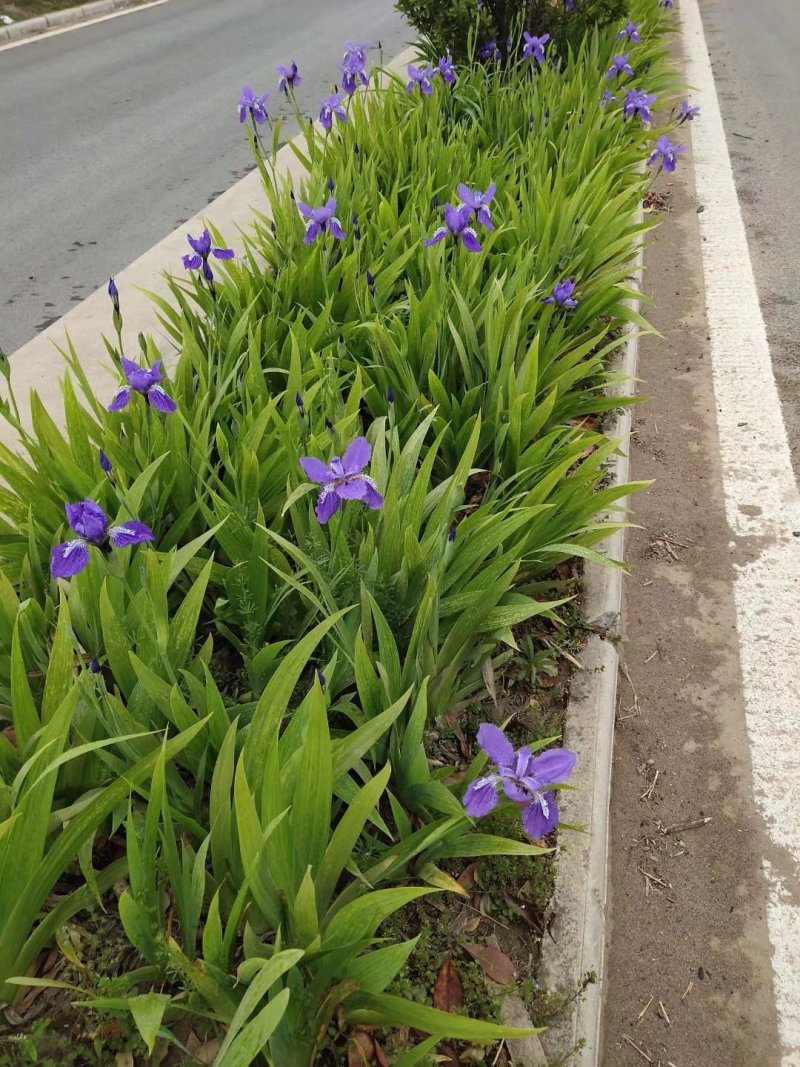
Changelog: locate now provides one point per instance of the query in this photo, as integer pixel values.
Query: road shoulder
(689, 976)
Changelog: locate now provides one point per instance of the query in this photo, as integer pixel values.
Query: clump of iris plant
(527, 780)
(332, 107)
(687, 112)
(619, 66)
(321, 220)
(478, 203)
(534, 47)
(201, 250)
(422, 77)
(252, 104)
(457, 225)
(562, 295)
(447, 69)
(343, 479)
(631, 32)
(93, 528)
(638, 102)
(144, 380)
(665, 154)
(290, 78)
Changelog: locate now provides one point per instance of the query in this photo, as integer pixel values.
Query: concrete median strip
(578, 934)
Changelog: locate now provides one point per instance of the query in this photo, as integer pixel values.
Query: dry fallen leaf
(469, 876)
(493, 962)
(380, 1055)
(448, 994)
(361, 1051)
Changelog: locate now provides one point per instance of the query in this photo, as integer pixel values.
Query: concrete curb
(68, 16)
(577, 944)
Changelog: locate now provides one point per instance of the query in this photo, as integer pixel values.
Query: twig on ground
(643, 1012)
(500, 1048)
(634, 709)
(563, 652)
(652, 655)
(679, 827)
(688, 990)
(638, 1048)
(650, 878)
(649, 791)
(664, 1013)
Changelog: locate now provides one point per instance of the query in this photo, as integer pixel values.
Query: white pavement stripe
(762, 505)
(56, 30)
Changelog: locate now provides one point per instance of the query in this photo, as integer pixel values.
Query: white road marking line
(762, 504)
(79, 25)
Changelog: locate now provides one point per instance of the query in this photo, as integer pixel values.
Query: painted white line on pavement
(56, 30)
(762, 505)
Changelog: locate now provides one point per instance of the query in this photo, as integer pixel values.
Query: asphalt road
(111, 135)
(754, 54)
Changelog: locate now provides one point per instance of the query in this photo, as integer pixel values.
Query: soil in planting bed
(473, 950)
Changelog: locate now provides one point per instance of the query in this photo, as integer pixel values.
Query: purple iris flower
(687, 112)
(447, 69)
(105, 463)
(290, 78)
(93, 527)
(668, 4)
(254, 105)
(202, 249)
(608, 98)
(534, 47)
(457, 224)
(619, 66)
(113, 292)
(343, 479)
(525, 779)
(147, 381)
(562, 294)
(357, 51)
(423, 77)
(638, 102)
(491, 50)
(666, 154)
(631, 31)
(94, 666)
(321, 220)
(353, 71)
(331, 107)
(478, 203)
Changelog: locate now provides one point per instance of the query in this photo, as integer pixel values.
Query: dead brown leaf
(448, 993)
(361, 1051)
(469, 876)
(204, 1052)
(493, 962)
(380, 1055)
